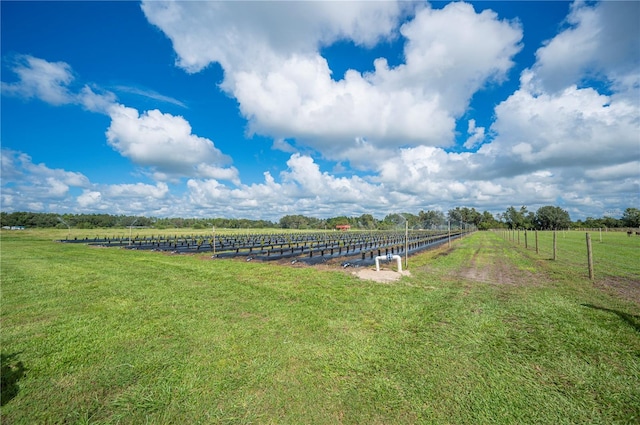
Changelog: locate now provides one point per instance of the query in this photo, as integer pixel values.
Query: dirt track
(493, 268)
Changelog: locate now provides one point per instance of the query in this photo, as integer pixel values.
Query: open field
(487, 332)
(616, 256)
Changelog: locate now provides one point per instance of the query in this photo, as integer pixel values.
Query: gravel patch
(381, 276)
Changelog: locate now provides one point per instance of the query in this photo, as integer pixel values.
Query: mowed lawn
(484, 333)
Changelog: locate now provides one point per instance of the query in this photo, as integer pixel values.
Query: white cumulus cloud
(36, 187)
(476, 135)
(138, 190)
(601, 41)
(89, 198)
(163, 142)
(285, 87)
(41, 79)
(238, 35)
(53, 83)
(574, 126)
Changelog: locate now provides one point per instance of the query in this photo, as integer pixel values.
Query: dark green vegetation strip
(485, 333)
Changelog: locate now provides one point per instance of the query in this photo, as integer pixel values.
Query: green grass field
(485, 333)
(615, 255)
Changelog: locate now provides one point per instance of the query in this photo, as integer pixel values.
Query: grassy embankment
(486, 333)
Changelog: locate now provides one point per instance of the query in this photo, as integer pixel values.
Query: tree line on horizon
(545, 218)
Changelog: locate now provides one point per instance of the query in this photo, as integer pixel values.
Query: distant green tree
(488, 221)
(517, 219)
(612, 222)
(337, 221)
(593, 223)
(397, 221)
(466, 215)
(413, 220)
(431, 219)
(454, 215)
(631, 217)
(294, 222)
(530, 220)
(551, 218)
(366, 221)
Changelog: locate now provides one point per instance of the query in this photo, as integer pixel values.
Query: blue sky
(263, 109)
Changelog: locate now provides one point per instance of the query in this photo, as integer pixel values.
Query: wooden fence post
(555, 237)
(589, 256)
(537, 251)
(525, 239)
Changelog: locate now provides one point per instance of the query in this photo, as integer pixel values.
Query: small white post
(406, 243)
(68, 227)
(130, 229)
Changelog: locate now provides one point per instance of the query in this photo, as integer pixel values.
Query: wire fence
(613, 254)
